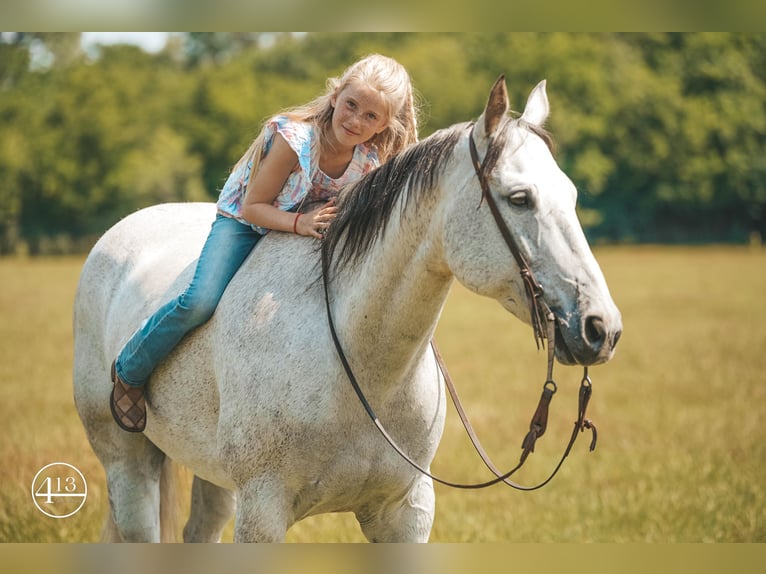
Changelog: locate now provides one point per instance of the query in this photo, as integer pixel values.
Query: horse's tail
(109, 531)
(171, 506)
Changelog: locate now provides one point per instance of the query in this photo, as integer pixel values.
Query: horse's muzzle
(593, 341)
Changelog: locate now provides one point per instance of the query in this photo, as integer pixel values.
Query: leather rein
(543, 325)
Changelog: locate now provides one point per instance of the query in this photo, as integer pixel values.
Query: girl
(304, 154)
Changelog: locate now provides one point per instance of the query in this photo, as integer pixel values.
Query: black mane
(365, 207)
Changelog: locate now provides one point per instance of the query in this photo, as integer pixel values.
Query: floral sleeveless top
(307, 183)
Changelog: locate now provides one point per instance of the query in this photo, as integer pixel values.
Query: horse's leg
(133, 481)
(262, 511)
(211, 508)
(132, 463)
(406, 519)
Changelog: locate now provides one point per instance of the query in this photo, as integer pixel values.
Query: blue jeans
(224, 251)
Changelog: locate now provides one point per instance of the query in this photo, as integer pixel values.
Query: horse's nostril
(595, 333)
(617, 336)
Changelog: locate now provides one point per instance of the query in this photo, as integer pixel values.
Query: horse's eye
(519, 198)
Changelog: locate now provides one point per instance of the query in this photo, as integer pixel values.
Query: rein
(543, 324)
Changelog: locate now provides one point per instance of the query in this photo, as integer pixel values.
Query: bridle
(543, 325)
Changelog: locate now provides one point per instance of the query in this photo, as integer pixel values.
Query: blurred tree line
(663, 134)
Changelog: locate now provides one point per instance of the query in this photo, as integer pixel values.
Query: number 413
(69, 485)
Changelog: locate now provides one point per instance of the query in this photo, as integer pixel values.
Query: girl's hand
(314, 223)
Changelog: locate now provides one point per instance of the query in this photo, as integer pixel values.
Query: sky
(149, 41)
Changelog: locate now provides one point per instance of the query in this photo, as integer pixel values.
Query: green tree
(695, 164)
(663, 134)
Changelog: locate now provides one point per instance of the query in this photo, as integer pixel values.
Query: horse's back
(147, 250)
(135, 264)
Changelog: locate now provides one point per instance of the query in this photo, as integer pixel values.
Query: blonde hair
(381, 73)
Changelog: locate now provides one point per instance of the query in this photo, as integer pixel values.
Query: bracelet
(295, 224)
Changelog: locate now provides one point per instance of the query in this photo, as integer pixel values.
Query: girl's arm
(264, 187)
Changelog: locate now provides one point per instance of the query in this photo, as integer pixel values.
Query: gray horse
(256, 402)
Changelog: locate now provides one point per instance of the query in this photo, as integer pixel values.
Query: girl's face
(359, 113)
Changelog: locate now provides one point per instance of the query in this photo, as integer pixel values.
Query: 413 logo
(59, 490)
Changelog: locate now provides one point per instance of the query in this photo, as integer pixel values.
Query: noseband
(543, 325)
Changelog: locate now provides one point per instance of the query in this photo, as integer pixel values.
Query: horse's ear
(537, 109)
(497, 106)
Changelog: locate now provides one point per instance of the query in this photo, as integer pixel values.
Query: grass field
(680, 410)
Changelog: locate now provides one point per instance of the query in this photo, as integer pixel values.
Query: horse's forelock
(540, 132)
(503, 133)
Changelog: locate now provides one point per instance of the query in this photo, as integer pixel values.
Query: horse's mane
(366, 206)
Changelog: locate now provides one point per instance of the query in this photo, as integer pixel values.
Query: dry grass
(680, 411)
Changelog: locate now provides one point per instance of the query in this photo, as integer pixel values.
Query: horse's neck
(391, 301)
